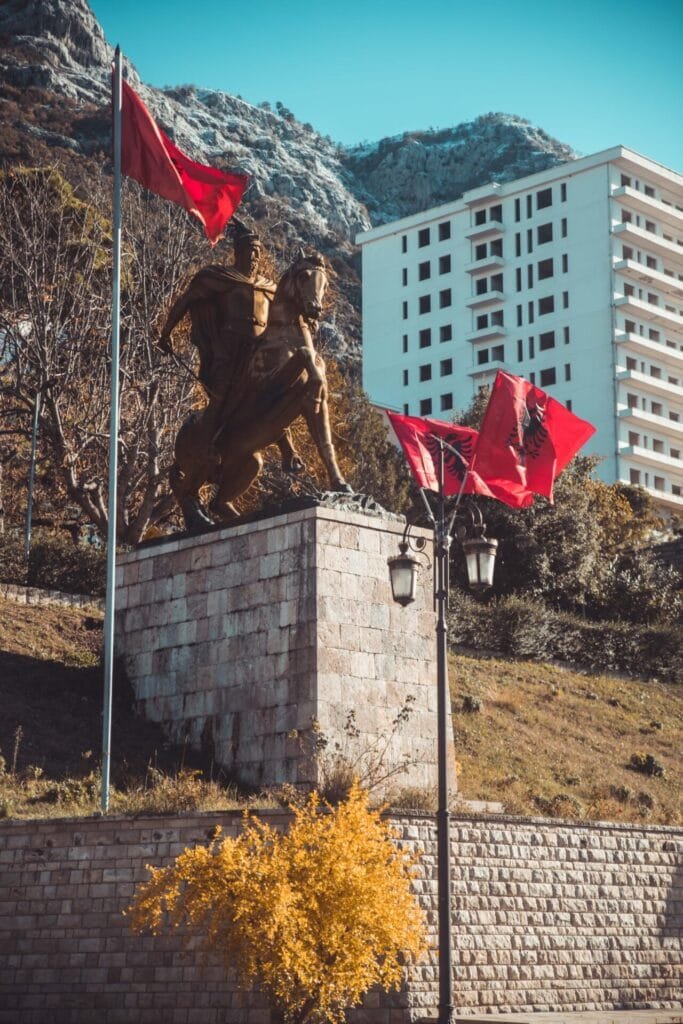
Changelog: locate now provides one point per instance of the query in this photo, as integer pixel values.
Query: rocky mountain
(54, 96)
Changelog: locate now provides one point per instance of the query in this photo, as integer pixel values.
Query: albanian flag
(526, 437)
(149, 156)
(418, 438)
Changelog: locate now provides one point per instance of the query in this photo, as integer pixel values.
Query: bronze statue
(260, 370)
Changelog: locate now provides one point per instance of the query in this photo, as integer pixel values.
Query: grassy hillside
(540, 739)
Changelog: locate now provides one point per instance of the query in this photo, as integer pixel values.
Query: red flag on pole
(149, 156)
(526, 437)
(418, 438)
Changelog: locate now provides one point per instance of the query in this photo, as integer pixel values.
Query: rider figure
(229, 309)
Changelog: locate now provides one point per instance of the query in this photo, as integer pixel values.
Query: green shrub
(524, 628)
(55, 563)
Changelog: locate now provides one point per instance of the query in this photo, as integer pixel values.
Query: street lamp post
(480, 553)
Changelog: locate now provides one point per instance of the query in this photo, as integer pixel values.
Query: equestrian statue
(260, 370)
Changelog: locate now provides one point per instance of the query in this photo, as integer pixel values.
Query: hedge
(523, 628)
(55, 563)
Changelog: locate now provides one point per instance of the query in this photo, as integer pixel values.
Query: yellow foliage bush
(314, 917)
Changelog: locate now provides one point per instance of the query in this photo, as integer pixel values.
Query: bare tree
(55, 296)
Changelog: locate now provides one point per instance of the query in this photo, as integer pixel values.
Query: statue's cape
(216, 276)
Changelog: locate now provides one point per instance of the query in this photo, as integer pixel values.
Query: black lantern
(403, 575)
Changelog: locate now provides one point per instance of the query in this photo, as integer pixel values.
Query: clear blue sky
(593, 73)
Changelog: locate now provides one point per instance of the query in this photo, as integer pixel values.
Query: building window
(568, 403)
(405, 343)
(657, 446)
(544, 233)
(497, 318)
(565, 263)
(563, 192)
(626, 217)
(530, 276)
(632, 401)
(633, 438)
(529, 206)
(531, 312)
(545, 269)
(660, 484)
(426, 337)
(563, 231)
(651, 263)
(625, 180)
(498, 353)
(444, 231)
(482, 321)
(423, 237)
(480, 217)
(631, 363)
(405, 310)
(651, 227)
(626, 252)
(481, 285)
(548, 377)
(405, 378)
(519, 316)
(446, 367)
(532, 377)
(482, 356)
(496, 213)
(425, 372)
(531, 348)
(567, 371)
(565, 331)
(404, 276)
(649, 191)
(544, 198)
(518, 244)
(496, 283)
(446, 333)
(634, 477)
(546, 305)
(426, 407)
(652, 335)
(446, 402)
(520, 350)
(444, 264)
(530, 240)
(565, 300)
(404, 243)
(496, 246)
(424, 271)
(518, 279)
(546, 340)
(425, 304)
(480, 251)
(444, 298)
(406, 409)
(657, 409)
(518, 210)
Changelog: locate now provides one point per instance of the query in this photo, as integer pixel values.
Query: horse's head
(304, 285)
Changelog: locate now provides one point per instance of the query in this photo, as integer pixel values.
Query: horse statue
(285, 379)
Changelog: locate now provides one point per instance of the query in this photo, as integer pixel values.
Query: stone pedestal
(246, 641)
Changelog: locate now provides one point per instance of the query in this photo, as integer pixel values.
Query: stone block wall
(546, 916)
(238, 639)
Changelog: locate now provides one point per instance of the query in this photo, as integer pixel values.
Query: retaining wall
(546, 915)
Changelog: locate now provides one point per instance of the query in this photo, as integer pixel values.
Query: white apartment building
(572, 278)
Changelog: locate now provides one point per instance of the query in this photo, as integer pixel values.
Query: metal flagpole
(32, 476)
(113, 441)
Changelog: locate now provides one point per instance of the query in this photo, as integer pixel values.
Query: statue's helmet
(242, 235)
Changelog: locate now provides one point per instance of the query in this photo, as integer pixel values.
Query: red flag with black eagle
(526, 437)
(149, 156)
(418, 438)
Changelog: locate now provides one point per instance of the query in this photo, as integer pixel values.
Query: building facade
(571, 278)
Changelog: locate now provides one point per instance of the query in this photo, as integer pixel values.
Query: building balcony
(492, 368)
(487, 264)
(652, 208)
(664, 499)
(672, 323)
(662, 282)
(651, 459)
(671, 428)
(632, 235)
(484, 333)
(485, 299)
(652, 385)
(658, 350)
(492, 229)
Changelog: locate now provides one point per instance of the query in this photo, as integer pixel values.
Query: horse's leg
(191, 468)
(235, 478)
(316, 414)
(289, 456)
